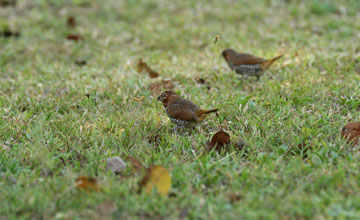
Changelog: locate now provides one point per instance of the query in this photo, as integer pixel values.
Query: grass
(59, 121)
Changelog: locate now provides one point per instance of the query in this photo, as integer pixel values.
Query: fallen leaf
(87, 184)
(138, 99)
(219, 141)
(80, 62)
(115, 164)
(136, 164)
(351, 132)
(157, 177)
(74, 37)
(143, 67)
(70, 22)
(8, 34)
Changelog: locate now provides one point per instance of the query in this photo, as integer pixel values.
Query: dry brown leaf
(219, 141)
(158, 178)
(138, 99)
(143, 67)
(351, 132)
(74, 37)
(87, 184)
(135, 163)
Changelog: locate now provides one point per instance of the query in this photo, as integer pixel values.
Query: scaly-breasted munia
(247, 64)
(183, 112)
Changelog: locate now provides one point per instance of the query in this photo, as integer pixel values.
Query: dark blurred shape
(80, 62)
(8, 34)
(74, 37)
(70, 22)
(7, 3)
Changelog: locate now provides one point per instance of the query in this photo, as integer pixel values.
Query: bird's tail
(202, 113)
(265, 65)
(209, 111)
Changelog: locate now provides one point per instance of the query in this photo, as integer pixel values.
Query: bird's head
(167, 97)
(227, 53)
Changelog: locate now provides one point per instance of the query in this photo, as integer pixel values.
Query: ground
(60, 120)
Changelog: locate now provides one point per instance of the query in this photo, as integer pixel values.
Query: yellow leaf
(87, 184)
(157, 177)
(138, 99)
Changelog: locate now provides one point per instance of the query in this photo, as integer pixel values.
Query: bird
(183, 112)
(351, 132)
(247, 64)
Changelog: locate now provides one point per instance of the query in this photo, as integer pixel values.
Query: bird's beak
(158, 98)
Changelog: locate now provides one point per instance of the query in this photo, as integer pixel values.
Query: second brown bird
(183, 112)
(247, 64)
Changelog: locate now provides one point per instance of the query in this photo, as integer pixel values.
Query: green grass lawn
(59, 120)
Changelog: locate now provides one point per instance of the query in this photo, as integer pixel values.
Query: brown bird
(351, 132)
(182, 112)
(247, 64)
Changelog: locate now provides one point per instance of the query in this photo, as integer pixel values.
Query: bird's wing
(179, 112)
(246, 59)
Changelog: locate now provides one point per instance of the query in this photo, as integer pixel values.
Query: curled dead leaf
(135, 164)
(219, 141)
(87, 184)
(351, 132)
(158, 178)
(138, 99)
(141, 67)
